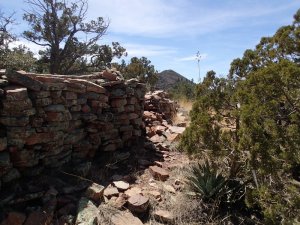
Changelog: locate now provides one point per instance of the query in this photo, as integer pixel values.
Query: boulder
(138, 203)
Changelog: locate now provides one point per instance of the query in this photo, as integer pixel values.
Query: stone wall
(49, 120)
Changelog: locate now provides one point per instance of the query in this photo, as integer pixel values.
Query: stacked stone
(49, 120)
(158, 115)
(159, 102)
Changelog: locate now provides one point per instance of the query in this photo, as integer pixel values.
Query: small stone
(110, 191)
(119, 202)
(3, 143)
(15, 93)
(138, 203)
(121, 185)
(159, 173)
(125, 218)
(169, 188)
(176, 130)
(55, 108)
(133, 191)
(108, 75)
(155, 194)
(163, 216)
(157, 139)
(95, 192)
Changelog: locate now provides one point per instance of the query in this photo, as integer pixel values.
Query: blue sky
(170, 32)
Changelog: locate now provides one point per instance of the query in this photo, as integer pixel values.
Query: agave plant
(206, 181)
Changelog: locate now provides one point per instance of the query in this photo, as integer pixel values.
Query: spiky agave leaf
(206, 181)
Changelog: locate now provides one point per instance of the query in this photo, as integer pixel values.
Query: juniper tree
(61, 28)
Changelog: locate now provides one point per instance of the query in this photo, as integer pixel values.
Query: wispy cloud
(193, 57)
(147, 50)
(159, 18)
(33, 47)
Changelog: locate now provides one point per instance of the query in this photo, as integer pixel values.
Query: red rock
(121, 185)
(55, 116)
(118, 102)
(85, 109)
(157, 139)
(164, 216)
(70, 95)
(159, 164)
(21, 78)
(133, 191)
(16, 93)
(125, 218)
(40, 138)
(111, 191)
(119, 202)
(159, 173)
(159, 129)
(14, 218)
(172, 137)
(110, 76)
(149, 115)
(138, 203)
(38, 217)
(176, 130)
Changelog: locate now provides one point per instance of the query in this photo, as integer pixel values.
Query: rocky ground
(143, 185)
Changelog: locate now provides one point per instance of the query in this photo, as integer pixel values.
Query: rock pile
(49, 120)
(158, 115)
(159, 102)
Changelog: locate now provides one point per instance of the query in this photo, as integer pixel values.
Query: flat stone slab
(111, 191)
(125, 218)
(121, 185)
(159, 173)
(163, 216)
(176, 130)
(138, 203)
(20, 78)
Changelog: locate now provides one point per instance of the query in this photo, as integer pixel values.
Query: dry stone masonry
(49, 120)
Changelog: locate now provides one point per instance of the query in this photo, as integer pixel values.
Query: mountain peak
(168, 78)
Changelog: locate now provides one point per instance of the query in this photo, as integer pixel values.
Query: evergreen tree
(253, 117)
(60, 26)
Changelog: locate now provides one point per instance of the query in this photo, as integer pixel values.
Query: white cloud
(159, 18)
(193, 57)
(33, 47)
(147, 50)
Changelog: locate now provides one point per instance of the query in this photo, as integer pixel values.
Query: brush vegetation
(252, 118)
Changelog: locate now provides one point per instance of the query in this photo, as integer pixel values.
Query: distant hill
(168, 78)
